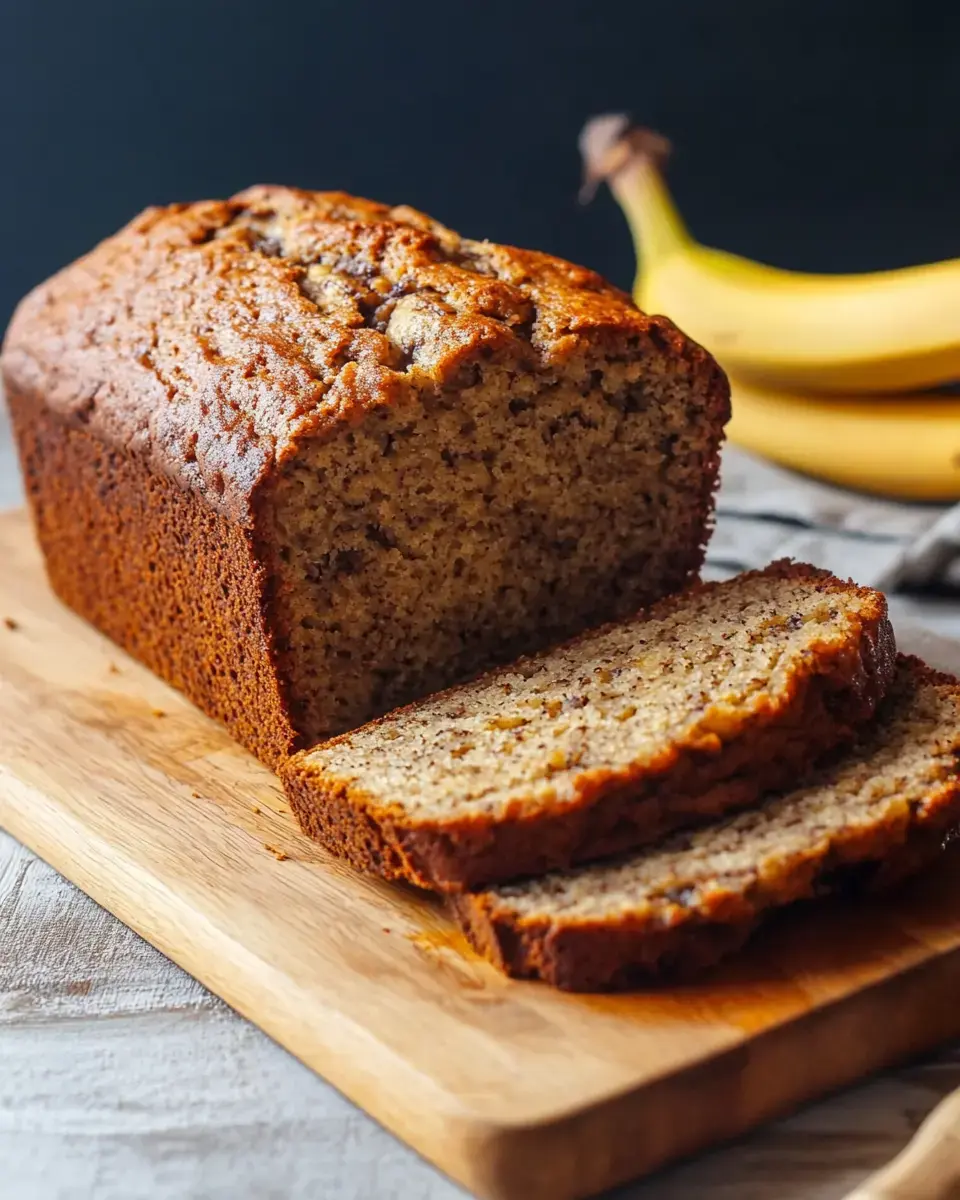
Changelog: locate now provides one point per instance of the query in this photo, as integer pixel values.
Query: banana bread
(680, 713)
(879, 811)
(309, 457)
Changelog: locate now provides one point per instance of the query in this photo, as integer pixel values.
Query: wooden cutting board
(513, 1089)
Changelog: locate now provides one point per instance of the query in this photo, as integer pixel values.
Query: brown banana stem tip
(609, 142)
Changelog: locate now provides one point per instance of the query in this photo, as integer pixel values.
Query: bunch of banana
(830, 374)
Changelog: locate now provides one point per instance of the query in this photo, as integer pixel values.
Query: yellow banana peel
(886, 331)
(904, 447)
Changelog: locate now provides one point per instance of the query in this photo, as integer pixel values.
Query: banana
(903, 447)
(887, 331)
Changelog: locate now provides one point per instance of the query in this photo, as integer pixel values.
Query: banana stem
(630, 159)
(655, 225)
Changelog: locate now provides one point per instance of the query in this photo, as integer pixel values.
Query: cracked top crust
(211, 338)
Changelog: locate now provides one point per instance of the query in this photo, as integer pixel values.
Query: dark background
(822, 135)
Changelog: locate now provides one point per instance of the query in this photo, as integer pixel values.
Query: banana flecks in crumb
(507, 722)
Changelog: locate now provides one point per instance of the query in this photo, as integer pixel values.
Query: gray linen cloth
(764, 512)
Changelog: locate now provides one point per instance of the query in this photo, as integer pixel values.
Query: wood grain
(511, 1088)
(928, 1167)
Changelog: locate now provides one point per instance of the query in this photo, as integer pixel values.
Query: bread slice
(877, 812)
(685, 711)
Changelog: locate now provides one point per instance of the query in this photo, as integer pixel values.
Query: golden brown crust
(601, 954)
(830, 696)
(110, 529)
(211, 339)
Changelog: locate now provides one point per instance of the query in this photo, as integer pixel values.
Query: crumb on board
(113, 668)
(256, 811)
(158, 712)
(11, 623)
(277, 854)
(195, 796)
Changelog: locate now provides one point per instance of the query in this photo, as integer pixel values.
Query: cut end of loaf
(462, 526)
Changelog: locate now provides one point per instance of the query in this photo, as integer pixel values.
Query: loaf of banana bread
(672, 716)
(877, 812)
(309, 457)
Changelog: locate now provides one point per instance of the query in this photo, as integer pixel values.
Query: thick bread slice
(692, 708)
(875, 813)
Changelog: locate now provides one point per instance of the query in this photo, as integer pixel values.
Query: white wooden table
(121, 1078)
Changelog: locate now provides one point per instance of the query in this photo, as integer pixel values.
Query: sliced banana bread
(310, 457)
(684, 711)
(877, 812)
